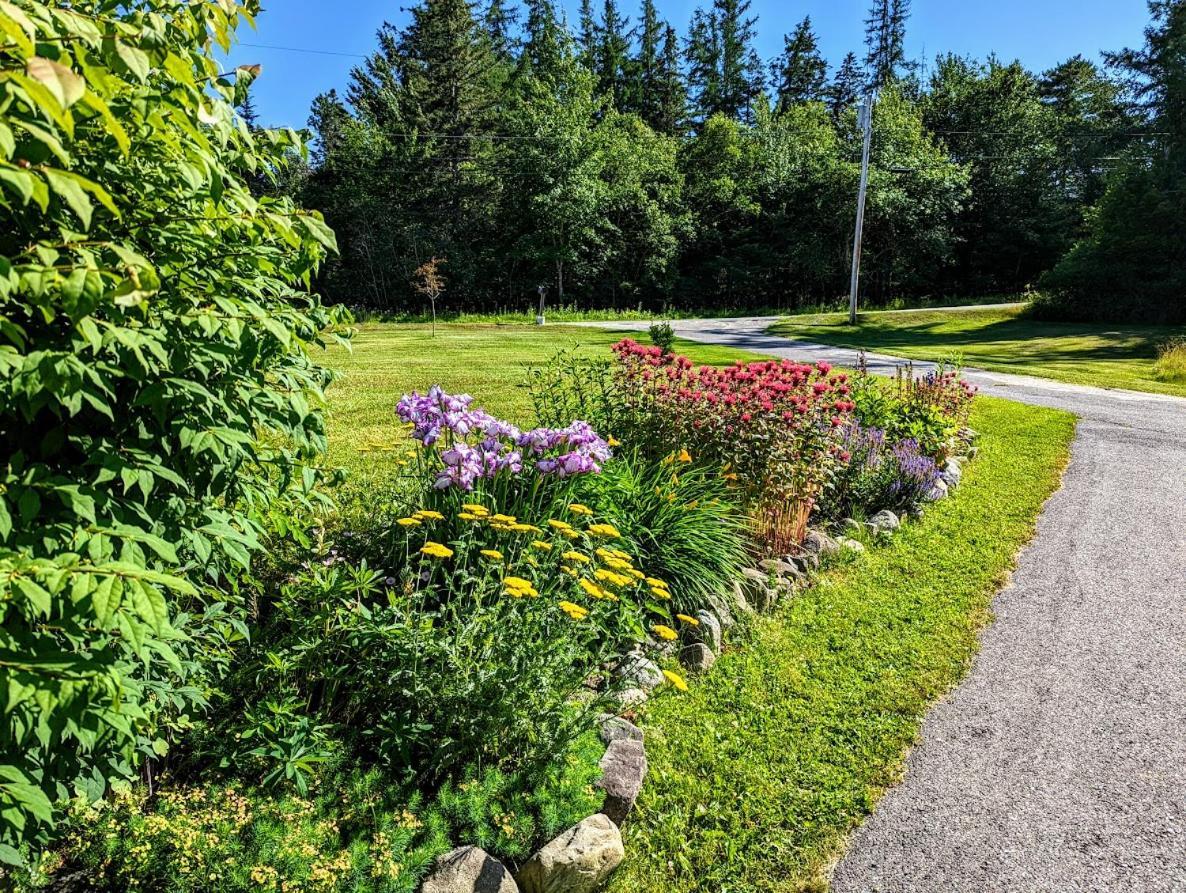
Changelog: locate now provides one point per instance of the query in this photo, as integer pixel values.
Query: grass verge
(760, 772)
(1005, 339)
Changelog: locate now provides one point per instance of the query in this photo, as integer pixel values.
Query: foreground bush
(1171, 362)
(156, 395)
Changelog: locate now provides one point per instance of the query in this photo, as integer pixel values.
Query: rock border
(582, 858)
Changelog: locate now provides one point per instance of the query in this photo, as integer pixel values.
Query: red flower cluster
(774, 426)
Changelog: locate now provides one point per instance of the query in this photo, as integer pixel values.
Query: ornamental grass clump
(773, 428)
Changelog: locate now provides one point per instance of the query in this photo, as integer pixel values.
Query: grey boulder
(614, 728)
(819, 543)
(709, 630)
(578, 861)
(623, 769)
(698, 657)
(885, 522)
(639, 671)
(469, 869)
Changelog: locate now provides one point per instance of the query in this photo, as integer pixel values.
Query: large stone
(578, 861)
(623, 769)
(783, 569)
(469, 869)
(952, 474)
(850, 545)
(629, 698)
(758, 589)
(698, 657)
(613, 728)
(939, 491)
(740, 600)
(639, 671)
(819, 543)
(709, 631)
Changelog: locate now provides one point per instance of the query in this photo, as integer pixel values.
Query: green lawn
(1004, 340)
(762, 769)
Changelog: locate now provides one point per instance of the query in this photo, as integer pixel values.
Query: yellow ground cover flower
(409, 522)
(676, 680)
(593, 589)
(492, 554)
(559, 525)
(691, 621)
(436, 550)
(517, 587)
(664, 632)
(575, 611)
(576, 557)
(429, 515)
(577, 509)
(542, 546)
(606, 530)
(606, 576)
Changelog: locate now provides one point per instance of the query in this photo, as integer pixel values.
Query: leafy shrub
(662, 336)
(156, 393)
(877, 475)
(681, 522)
(572, 386)
(1171, 361)
(929, 409)
(773, 428)
(355, 832)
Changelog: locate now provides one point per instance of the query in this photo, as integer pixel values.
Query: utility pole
(867, 125)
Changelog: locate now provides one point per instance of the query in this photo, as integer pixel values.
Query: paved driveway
(1060, 762)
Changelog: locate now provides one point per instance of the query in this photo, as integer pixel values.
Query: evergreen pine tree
(248, 113)
(588, 36)
(546, 45)
(846, 86)
(642, 91)
(724, 70)
(613, 54)
(800, 74)
(499, 22)
(885, 38)
(703, 55)
(671, 93)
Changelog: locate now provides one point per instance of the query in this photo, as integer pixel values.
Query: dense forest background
(624, 164)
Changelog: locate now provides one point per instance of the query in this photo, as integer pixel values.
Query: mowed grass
(1005, 339)
(759, 773)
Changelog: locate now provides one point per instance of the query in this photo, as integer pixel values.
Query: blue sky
(1039, 32)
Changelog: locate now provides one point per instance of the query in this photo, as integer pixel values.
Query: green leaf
(66, 86)
(106, 598)
(69, 190)
(35, 595)
(134, 58)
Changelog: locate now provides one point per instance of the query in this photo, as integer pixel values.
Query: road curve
(1059, 764)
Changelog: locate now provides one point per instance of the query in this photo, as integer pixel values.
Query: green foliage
(682, 523)
(354, 831)
(1171, 361)
(929, 409)
(156, 393)
(662, 336)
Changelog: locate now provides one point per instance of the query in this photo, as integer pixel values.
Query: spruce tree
(588, 36)
(724, 70)
(800, 74)
(703, 56)
(642, 91)
(613, 53)
(846, 86)
(546, 44)
(499, 22)
(885, 38)
(671, 93)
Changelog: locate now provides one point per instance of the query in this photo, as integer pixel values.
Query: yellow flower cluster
(517, 587)
(575, 611)
(436, 550)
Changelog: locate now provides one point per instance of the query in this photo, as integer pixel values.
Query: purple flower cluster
(916, 473)
(478, 445)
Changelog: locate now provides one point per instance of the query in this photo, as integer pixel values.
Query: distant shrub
(662, 336)
(1171, 361)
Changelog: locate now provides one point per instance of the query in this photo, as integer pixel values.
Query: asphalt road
(1059, 764)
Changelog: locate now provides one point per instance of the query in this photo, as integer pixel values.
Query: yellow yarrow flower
(525, 528)
(577, 509)
(691, 621)
(610, 577)
(660, 593)
(408, 522)
(576, 612)
(664, 632)
(593, 589)
(542, 546)
(470, 516)
(676, 680)
(606, 530)
(505, 519)
(576, 557)
(429, 515)
(436, 550)
(517, 587)
(559, 525)
(475, 509)
(492, 554)
(657, 583)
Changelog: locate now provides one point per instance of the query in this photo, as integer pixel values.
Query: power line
(268, 46)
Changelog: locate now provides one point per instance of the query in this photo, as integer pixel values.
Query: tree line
(620, 163)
